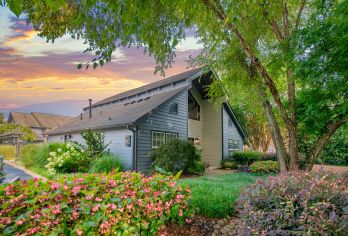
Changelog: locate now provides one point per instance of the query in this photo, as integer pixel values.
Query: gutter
(134, 129)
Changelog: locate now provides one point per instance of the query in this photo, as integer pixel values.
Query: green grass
(8, 151)
(216, 196)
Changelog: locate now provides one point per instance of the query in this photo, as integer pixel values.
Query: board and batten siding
(160, 120)
(230, 133)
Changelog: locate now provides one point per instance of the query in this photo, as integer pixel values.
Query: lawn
(215, 196)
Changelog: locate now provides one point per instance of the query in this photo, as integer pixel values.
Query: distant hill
(63, 107)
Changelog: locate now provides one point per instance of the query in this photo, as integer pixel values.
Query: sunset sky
(40, 76)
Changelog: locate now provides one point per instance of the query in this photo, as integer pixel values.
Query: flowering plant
(124, 203)
(67, 159)
(296, 204)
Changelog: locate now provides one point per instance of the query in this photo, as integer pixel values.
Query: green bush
(8, 151)
(227, 163)
(94, 146)
(124, 203)
(269, 157)
(36, 155)
(68, 159)
(265, 167)
(246, 157)
(107, 163)
(177, 155)
(295, 204)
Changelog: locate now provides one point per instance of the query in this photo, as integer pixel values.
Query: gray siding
(229, 133)
(160, 120)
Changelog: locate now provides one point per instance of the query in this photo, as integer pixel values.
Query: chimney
(90, 108)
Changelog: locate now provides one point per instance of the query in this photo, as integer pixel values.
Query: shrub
(8, 151)
(36, 155)
(199, 168)
(68, 159)
(95, 146)
(177, 155)
(125, 203)
(296, 204)
(229, 164)
(106, 164)
(246, 157)
(269, 157)
(264, 167)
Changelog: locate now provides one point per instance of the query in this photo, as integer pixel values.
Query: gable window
(173, 109)
(233, 145)
(160, 138)
(193, 108)
(229, 123)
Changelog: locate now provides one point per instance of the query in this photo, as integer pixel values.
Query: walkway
(12, 172)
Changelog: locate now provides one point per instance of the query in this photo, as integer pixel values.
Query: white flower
(53, 154)
(59, 150)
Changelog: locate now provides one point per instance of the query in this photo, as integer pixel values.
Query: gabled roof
(235, 120)
(173, 79)
(38, 120)
(116, 115)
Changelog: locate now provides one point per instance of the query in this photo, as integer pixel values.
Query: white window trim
(165, 138)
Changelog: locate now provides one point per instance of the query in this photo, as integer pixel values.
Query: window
(173, 109)
(233, 145)
(160, 138)
(229, 122)
(193, 108)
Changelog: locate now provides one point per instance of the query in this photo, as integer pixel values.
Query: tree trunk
(274, 129)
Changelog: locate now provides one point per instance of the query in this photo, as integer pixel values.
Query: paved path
(12, 172)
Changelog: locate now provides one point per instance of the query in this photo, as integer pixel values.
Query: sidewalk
(14, 169)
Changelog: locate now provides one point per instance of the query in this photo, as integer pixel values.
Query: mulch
(199, 226)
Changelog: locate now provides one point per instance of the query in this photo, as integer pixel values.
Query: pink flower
(20, 222)
(89, 197)
(188, 221)
(180, 213)
(55, 186)
(147, 190)
(172, 184)
(129, 207)
(32, 230)
(98, 199)
(56, 210)
(79, 232)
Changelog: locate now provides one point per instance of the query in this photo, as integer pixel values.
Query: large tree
(268, 35)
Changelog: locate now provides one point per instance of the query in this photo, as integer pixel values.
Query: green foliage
(8, 151)
(126, 203)
(335, 153)
(264, 167)
(94, 146)
(228, 163)
(36, 155)
(107, 163)
(177, 155)
(295, 204)
(67, 159)
(216, 196)
(246, 157)
(2, 118)
(28, 134)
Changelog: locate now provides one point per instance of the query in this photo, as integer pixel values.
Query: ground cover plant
(296, 204)
(120, 203)
(215, 196)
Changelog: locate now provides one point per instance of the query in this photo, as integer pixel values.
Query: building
(39, 123)
(139, 120)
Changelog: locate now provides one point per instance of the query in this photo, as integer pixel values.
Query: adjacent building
(38, 122)
(137, 121)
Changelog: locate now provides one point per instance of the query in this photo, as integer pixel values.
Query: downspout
(134, 129)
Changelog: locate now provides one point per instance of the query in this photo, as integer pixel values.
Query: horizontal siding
(230, 133)
(212, 134)
(116, 140)
(160, 120)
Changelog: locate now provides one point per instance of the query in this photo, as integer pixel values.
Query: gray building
(139, 120)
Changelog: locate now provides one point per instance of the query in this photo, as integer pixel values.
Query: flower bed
(117, 203)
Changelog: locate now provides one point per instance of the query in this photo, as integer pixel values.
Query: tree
(28, 134)
(260, 35)
(2, 118)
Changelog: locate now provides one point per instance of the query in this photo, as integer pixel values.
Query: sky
(43, 77)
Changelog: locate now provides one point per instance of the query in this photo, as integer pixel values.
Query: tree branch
(299, 14)
(330, 129)
(286, 24)
(219, 12)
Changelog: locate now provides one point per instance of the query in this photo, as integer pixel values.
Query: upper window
(160, 138)
(193, 108)
(173, 109)
(229, 122)
(233, 145)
